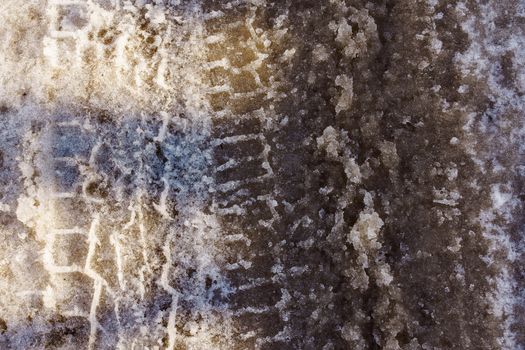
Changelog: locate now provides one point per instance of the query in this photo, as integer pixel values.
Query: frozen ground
(259, 174)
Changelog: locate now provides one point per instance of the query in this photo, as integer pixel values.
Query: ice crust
(187, 174)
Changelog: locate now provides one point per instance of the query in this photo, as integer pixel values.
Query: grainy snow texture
(262, 174)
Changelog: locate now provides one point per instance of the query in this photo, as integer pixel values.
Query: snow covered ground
(258, 174)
